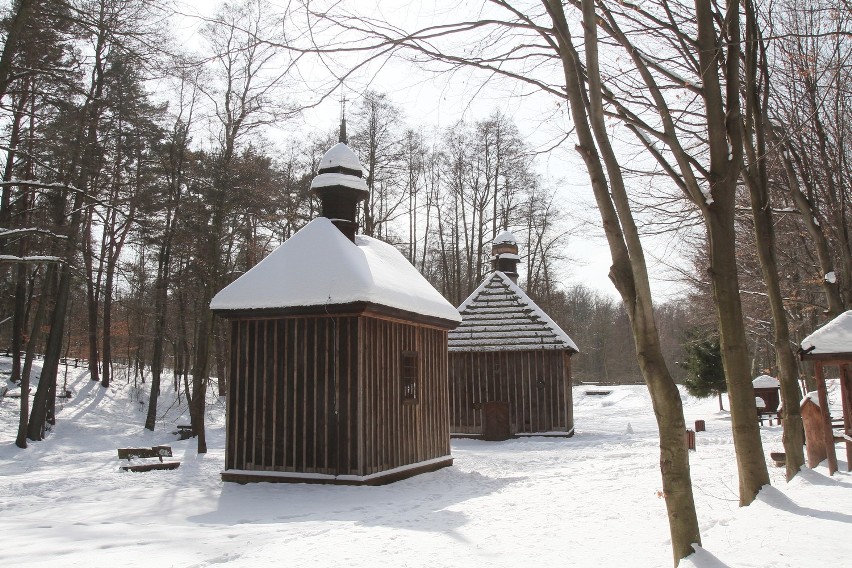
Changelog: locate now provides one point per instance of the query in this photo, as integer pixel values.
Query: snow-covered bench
(133, 454)
(763, 414)
(184, 431)
(769, 417)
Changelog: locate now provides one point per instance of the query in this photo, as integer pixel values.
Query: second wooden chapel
(510, 363)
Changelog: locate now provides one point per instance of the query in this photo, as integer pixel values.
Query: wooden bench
(780, 458)
(145, 453)
(184, 431)
(769, 416)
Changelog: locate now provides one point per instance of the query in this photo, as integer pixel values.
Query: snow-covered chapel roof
(499, 316)
(833, 337)
(505, 237)
(340, 155)
(319, 266)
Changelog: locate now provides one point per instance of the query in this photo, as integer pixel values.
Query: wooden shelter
(767, 394)
(831, 345)
(338, 364)
(510, 364)
(769, 389)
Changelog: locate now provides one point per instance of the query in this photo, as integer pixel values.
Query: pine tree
(705, 375)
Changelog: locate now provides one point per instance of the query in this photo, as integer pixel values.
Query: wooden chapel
(338, 359)
(510, 363)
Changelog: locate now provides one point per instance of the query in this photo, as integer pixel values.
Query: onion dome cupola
(504, 255)
(340, 186)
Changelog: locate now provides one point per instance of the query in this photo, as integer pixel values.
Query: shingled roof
(499, 316)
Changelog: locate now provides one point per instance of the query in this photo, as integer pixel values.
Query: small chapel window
(409, 376)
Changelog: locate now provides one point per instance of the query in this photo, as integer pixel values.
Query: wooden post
(700, 426)
(846, 396)
(823, 405)
(690, 439)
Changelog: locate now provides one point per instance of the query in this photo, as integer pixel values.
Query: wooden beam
(846, 396)
(827, 358)
(823, 406)
(351, 308)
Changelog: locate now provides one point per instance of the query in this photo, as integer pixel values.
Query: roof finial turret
(340, 186)
(504, 255)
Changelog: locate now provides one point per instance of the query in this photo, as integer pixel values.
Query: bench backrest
(154, 452)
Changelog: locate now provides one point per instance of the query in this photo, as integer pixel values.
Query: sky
(437, 100)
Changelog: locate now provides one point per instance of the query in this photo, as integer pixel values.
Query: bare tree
(247, 73)
(808, 123)
(629, 271)
(174, 158)
(705, 163)
(755, 174)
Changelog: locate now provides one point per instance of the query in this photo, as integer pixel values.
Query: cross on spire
(343, 138)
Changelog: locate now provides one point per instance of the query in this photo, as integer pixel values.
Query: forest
(141, 173)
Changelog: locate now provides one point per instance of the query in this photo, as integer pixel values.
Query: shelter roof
(812, 396)
(319, 266)
(765, 382)
(835, 337)
(499, 316)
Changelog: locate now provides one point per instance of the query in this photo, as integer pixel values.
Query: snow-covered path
(587, 501)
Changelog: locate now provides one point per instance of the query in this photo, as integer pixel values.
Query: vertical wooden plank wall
(296, 403)
(398, 433)
(289, 376)
(536, 384)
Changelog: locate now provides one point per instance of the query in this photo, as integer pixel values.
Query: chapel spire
(504, 255)
(343, 138)
(340, 186)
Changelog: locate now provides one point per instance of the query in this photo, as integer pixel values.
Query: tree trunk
(161, 293)
(629, 274)
(756, 101)
(91, 298)
(788, 372)
(113, 252)
(107, 333)
(221, 357)
(18, 317)
(725, 149)
(23, 10)
(40, 415)
(199, 374)
(38, 320)
(19, 314)
(751, 464)
(43, 399)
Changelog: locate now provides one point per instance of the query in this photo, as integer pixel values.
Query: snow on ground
(591, 500)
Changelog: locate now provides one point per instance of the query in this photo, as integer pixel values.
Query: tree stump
(814, 432)
(690, 439)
